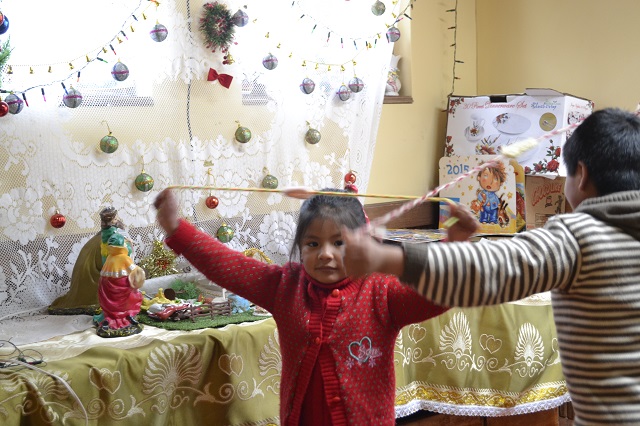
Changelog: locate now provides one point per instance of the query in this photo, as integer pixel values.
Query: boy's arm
(492, 272)
(365, 255)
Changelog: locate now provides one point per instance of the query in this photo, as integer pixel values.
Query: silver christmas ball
(15, 103)
(159, 33)
(72, 98)
(120, 71)
(270, 62)
(344, 93)
(356, 84)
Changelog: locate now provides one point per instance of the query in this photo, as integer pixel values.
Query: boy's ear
(584, 179)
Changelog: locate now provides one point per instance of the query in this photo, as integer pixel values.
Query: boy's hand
(167, 208)
(465, 226)
(364, 255)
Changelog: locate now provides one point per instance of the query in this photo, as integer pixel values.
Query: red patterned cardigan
(358, 329)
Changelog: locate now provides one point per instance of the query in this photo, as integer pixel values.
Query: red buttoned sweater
(350, 336)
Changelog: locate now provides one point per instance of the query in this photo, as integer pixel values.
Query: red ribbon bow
(224, 79)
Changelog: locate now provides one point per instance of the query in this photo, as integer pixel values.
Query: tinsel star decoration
(160, 262)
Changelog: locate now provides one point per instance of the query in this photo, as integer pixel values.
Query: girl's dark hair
(345, 211)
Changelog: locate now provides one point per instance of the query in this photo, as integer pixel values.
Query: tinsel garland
(5, 52)
(217, 26)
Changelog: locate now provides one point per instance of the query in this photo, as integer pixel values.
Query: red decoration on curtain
(224, 79)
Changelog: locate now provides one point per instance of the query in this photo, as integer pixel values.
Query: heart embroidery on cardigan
(362, 350)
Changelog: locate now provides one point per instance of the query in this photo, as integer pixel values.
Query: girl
(337, 334)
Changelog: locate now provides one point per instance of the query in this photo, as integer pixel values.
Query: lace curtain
(175, 125)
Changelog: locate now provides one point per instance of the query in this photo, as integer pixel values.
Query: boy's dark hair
(345, 211)
(608, 143)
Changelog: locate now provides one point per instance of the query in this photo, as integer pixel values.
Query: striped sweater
(590, 261)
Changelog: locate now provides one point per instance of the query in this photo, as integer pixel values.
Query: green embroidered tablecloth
(499, 360)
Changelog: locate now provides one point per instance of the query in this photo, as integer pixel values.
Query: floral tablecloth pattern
(492, 361)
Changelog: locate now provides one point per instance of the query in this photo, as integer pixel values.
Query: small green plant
(185, 289)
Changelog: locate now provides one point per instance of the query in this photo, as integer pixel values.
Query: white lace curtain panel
(175, 125)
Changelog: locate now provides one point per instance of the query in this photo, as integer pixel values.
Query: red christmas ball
(351, 188)
(58, 220)
(212, 202)
(4, 108)
(350, 178)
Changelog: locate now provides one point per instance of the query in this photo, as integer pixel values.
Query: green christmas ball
(243, 135)
(225, 233)
(312, 137)
(109, 144)
(144, 182)
(270, 182)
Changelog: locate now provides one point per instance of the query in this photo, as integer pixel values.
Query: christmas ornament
(224, 79)
(350, 177)
(378, 8)
(15, 103)
(120, 71)
(225, 233)
(72, 98)
(393, 34)
(144, 182)
(160, 262)
(228, 59)
(351, 188)
(217, 26)
(240, 18)
(307, 86)
(109, 144)
(270, 62)
(58, 220)
(159, 33)
(312, 136)
(344, 93)
(212, 202)
(243, 134)
(4, 24)
(356, 85)
(270, 182)
(4, 108)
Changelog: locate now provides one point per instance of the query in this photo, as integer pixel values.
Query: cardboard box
(544, 197)
(480, 125)
(496, 202)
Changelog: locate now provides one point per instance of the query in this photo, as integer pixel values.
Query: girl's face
(488, 180)
(322, 251)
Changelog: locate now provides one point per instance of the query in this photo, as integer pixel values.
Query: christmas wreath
(217, 26)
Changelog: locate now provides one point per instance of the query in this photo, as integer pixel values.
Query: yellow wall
(588, 48)
(411, 136)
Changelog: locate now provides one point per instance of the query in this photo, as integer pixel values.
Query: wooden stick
(304, 193)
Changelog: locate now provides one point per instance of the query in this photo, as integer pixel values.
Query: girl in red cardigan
(337, 334)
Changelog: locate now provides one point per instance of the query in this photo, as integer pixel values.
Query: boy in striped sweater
(589, 259)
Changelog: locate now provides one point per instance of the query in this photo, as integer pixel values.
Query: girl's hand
(465, 226)
(167, 208)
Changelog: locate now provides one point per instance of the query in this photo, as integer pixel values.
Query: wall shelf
(398, 100)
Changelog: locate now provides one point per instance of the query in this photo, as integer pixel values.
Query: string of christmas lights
(456, 61)
(335, 35)
(88, 58)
